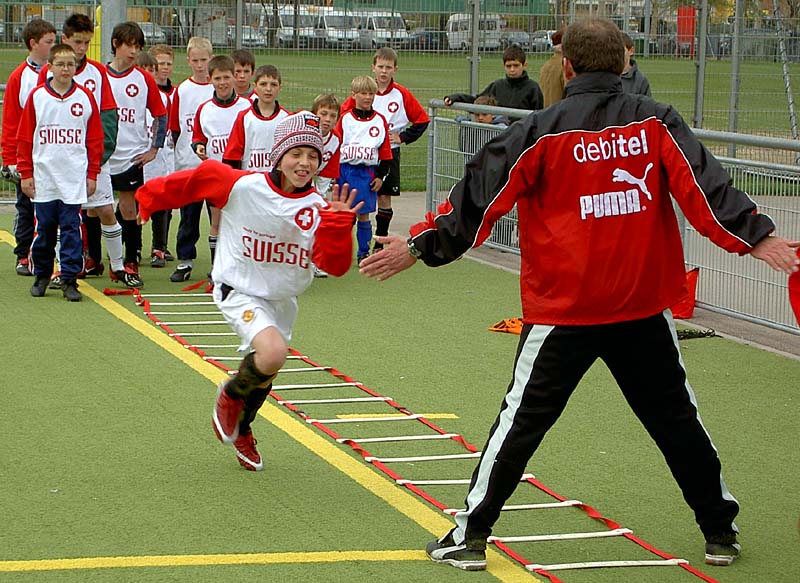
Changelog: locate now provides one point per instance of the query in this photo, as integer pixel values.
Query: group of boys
(227, 110)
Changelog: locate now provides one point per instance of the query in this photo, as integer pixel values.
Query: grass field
(110, 471)
(763, 98)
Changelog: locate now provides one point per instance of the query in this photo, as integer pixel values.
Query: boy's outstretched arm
(333, 242)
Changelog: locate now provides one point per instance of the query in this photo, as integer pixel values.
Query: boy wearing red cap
(272, 227)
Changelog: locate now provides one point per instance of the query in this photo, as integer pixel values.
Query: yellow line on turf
(433, 521)
(392, 415)
(203, 560)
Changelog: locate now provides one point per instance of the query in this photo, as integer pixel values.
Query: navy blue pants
(23, 224)
(49, 218)
(189, 230)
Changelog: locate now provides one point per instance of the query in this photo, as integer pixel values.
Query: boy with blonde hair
(188, 96)
(365, 155)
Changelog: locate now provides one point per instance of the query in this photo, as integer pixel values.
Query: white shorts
(162, 164)
(249, 315)
(104, 194)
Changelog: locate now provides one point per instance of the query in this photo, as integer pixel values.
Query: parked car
(425, 39)
(542, 41)
(153, 34)
(251, 36)
(518, 38)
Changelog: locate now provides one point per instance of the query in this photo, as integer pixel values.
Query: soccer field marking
(208, 560)
(381, 415)
(500, 566)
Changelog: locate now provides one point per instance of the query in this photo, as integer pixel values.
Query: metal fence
(739, 286)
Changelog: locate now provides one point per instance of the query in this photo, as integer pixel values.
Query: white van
(459, 31)
(337, 29)
(281, 26)
(382, 29)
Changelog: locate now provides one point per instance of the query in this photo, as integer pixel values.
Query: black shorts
(129, 180)
(391, 185)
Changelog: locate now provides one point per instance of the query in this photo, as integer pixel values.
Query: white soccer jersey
(252, 138)
(21, 82)
(61, 139)
(188, 97)
(400, 108)
(363, 139)
(164, 162)
(213, 124)
(265, 239)
(135, 91)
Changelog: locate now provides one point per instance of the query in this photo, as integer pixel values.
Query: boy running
(272, 227)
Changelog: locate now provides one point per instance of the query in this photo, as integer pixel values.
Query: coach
(601, 264)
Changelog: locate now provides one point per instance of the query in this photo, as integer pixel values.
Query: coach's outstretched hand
(391, 260)
(778, 253)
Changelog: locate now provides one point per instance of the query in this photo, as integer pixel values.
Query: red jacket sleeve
(94, 140)
(348, 104)
(12, 112)
(23, 157)
(154, 103)
(333, 242)
(174, 122)
(331, 169)
(235, 148)
(198, 137)
(414, 111)
(211, 181)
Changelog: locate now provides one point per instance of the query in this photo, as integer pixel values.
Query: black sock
(382, 220)
(212, 246)
(93, 237)
(249, 379)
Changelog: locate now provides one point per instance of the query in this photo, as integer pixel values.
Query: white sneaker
(318, 272)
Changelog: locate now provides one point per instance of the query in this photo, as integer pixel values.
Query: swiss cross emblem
(393, 107)
(374, 131)
(326, 156)
(76, 109)
(304, 218)
(132, 90)
(90, 85)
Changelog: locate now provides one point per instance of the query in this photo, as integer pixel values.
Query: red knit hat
(299, 129)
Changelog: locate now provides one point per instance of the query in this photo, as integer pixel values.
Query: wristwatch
(412, 249)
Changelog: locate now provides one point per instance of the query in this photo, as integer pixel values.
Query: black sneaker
(23, 267)
(129, 277)
(376, 247)
(157, 259)
(168, 255)
(446, 551)
(39, 286)
(56, 282)
(722, 550)
(70, 291)
(181, 274)
(361, 258)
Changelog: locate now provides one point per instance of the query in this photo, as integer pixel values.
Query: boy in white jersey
(407, 121)
(165, 160)
(365, 154)
(189, 95)
(212, 126)
(253, 131)
(39, 36)
(244, 63)
(272, 226)
(59, 149)
(326, 107)
(99, 220)
(136, 92)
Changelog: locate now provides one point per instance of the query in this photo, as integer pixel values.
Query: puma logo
(620, 175)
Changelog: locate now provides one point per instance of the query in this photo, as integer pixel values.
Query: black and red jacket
(591, 177)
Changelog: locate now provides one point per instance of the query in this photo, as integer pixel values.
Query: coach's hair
(220, 63)
(244, 57)
(200, 43)
(594, 44)
(385, 53)
(77, 22)
(267, 71)
(626, 38)
(126, 33)
(364, 84)
(325, 100)
(60, 49)
(514, 53)
(35, 30)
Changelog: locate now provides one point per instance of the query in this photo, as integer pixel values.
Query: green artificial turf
(108, 449)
